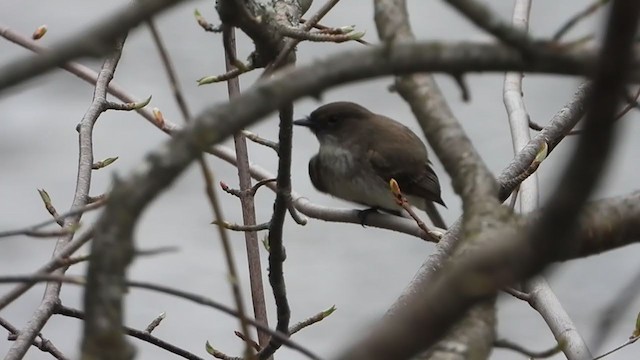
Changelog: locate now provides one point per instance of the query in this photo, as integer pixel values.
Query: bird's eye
(333, 120)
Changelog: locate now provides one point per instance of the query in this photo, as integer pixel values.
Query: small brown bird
(360, 152)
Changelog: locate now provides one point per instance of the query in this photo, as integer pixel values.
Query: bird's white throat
(340, 159)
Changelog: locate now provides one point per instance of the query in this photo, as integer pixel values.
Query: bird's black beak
(303, 122)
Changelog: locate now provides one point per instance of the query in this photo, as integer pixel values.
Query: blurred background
(359, 270)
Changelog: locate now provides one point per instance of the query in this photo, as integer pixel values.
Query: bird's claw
(363, 214)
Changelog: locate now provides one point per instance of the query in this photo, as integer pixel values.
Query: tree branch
(482, 16)
(40, 342)
(141, 335)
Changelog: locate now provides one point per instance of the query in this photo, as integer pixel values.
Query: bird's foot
(363, 214)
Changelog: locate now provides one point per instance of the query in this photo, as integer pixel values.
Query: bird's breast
(344, 174)
(337, 160)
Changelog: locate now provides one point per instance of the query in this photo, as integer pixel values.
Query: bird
(361, 151)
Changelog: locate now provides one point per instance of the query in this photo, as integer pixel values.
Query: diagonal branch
(138, 334)
(483, 17)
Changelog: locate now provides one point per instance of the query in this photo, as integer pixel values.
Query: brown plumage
(360, 151)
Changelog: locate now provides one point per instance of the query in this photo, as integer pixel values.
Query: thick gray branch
(475, 334)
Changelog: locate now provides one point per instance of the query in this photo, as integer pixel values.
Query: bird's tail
(434, 215)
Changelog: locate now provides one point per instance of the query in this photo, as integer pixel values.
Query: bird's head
(335, 121)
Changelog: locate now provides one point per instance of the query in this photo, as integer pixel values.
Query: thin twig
(39, 342)
(259, 184)
(241, 227)
(330, 29)
(291, 43)
(155, 322)
(206, 25)
(251, 343)
(625, 344)
(506, 344)
(403, 202)
(482, 16)
(138, 334)
(295, 215)
(301, 34)
(56, 262)
(44, 234)
(311, 320)
(70, 213)
(262, 141)
(462, 84)
(96, 199)
(235, 192)
(517, 294)
(229, 75)
(632, 102)
(150, 252)
(575, 19)
(514, 198)
(46, 199)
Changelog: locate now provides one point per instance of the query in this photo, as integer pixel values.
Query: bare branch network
(449, 309)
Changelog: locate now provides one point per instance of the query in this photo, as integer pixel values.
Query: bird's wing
(412, 171)
(314, 174)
